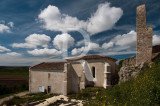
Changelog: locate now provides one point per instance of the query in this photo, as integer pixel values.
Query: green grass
(141, 91)
(120, 64)
(28, 98)
(6, 95)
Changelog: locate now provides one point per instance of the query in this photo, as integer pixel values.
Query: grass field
(13, 80)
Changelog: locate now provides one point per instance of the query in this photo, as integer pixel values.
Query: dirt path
(61, 100)
(10, 97)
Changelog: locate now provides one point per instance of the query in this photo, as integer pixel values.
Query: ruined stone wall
(132, 66)
(144, 37)
(129, 61)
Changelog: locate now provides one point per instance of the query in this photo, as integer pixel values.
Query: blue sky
(35, 31)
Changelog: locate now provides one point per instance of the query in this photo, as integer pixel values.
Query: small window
(49, 75)
(93, 72)
(108, 69)
(41, 88)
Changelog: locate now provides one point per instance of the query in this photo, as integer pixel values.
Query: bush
(120, 64)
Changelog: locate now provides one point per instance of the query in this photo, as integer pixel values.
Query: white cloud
(107, 45)
(77, 51)
(63, 41)
(118, 53)
(45, 52)
(156, 40)
(3, 49)
(128, 39)
(11, 24)
(126, 43)
(4, 28)
(121, 42)
(23, 45)
(104, 18)
(34, 40)
(91, 47)
(54, 20)
(79, 43)
(24, 61)
(13, 54)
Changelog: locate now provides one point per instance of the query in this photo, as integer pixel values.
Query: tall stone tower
(144, 37)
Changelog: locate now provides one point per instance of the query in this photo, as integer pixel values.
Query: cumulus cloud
(108, 45)
(63, 41)
(122, 41)
(103, 19)
(45, 52)
(77, 51)
(34, 40)
(54, 20)
(128, 39)
(13, 54)
(126, 42)
(4, 28)
(91, 47)
(156, 40)
(3, 49)
(80, 43)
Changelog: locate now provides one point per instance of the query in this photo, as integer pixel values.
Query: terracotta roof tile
(88, 57)
(50, 66)
(154, 55)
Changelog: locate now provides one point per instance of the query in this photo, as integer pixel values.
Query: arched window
(93, 72)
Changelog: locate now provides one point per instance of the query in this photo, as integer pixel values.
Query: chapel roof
(50, 66)
(89, 57)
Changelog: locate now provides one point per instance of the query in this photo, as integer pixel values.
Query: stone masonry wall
(131, 67)
(129, 61)
(144, 37)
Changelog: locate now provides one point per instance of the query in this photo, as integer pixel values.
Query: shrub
(120, 64)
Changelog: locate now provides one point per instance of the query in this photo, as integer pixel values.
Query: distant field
(22, 72)
(13, 79)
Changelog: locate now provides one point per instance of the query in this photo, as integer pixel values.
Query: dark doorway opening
(49, 89)
(93, 72)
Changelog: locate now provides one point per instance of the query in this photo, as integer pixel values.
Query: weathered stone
(144, 37)
(126, 72)
(132, 66)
